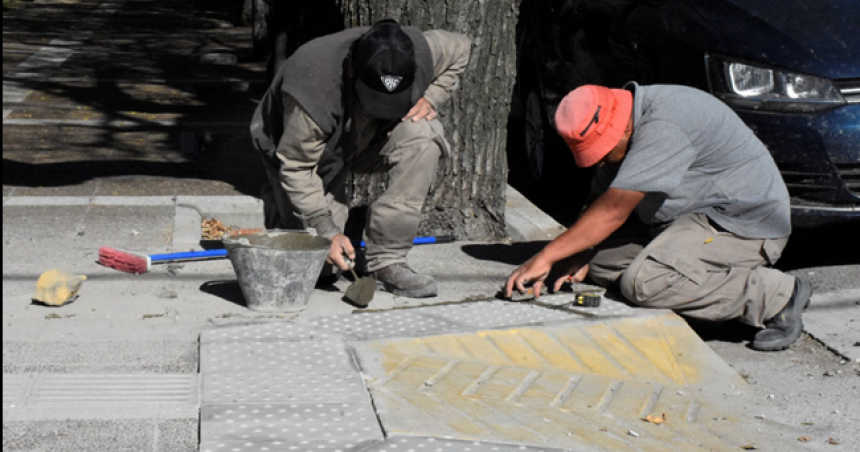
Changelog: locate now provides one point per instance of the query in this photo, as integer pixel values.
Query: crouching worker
(711, 211)
(362, 100)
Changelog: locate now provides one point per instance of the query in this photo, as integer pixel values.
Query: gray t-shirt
(690, 153)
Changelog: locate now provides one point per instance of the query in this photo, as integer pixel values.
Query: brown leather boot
(399, 279)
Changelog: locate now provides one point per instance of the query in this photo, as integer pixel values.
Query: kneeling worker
(362, 100)
(711, 210)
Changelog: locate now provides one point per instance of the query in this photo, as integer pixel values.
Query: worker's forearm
(299, 152)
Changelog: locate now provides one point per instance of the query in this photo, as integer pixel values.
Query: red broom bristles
(122, 261)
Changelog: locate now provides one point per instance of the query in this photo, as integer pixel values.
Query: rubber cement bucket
(277, 269)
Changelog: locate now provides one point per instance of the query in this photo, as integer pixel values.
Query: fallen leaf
(804, 439)
(655, 419)
(604, 429)
(832, 441)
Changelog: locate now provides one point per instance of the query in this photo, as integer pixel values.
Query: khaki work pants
(695, 269)
(411, 156)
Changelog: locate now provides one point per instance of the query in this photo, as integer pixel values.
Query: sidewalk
(122, 362)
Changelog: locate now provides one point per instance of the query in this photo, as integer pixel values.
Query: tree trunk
(468, 198)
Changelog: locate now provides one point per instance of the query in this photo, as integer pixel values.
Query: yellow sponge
(56, 288)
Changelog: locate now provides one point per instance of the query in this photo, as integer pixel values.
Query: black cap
(384, 63)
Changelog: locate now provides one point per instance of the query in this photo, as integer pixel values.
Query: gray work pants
(411, 156)
(695, 269)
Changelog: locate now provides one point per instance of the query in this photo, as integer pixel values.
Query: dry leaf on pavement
(655, 419)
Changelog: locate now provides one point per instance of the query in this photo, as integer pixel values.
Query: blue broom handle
(223, 253)
(422, 240)
(188, 255)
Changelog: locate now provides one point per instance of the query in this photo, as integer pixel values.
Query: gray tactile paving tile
(407, 322)
(14, 387)
(267, 332)
(285, 445)
(500, 314)
(429, 444)
(112, 389)
(441, 319)
(283, 386)
(307, 421)
(78, 390)
(317, 356)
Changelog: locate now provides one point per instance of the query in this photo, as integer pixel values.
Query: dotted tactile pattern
(317, 356)
(283, 386)
(501, 314)
(286, 445)
(323, 421)
(442, 319)
(429, 444)
(406, 322)
(265, 332)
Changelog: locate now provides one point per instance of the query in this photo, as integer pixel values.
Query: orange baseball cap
(592, 120)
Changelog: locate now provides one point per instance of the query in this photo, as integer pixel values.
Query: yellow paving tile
(562, 386)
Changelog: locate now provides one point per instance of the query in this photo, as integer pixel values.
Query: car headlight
(752, 86)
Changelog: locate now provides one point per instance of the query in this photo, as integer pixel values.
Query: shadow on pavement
(507, 253)
(822, 246)
(178, 75)
(227, 289)
(729, 331)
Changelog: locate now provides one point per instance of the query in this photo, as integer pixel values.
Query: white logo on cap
(391, 82)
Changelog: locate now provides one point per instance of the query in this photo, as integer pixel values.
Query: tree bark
(468, 198)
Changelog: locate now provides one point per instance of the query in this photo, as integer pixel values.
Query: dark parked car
(790, 69)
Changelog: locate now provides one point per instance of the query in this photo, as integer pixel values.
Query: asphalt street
(125, 124)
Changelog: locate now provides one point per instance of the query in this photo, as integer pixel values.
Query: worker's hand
(422, 109)
(573, 269)
(340, 247)
(534, 271)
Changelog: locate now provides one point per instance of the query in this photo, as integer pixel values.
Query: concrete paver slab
(834, 318)
(282, 386)
(539, 378)
(577, 387)
(75, 435)
(260, 423)
(106, 396)
(314, 355)
(267, 332)
(319, 445)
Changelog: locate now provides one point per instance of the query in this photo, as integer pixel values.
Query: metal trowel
(361, 291)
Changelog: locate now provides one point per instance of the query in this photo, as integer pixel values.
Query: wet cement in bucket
(277, 269)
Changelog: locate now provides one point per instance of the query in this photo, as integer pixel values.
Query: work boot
(785, 328)
(399, 279)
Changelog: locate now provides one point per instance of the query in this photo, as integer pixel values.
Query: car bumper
(819, 158)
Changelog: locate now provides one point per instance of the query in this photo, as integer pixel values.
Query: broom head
(124, 261)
